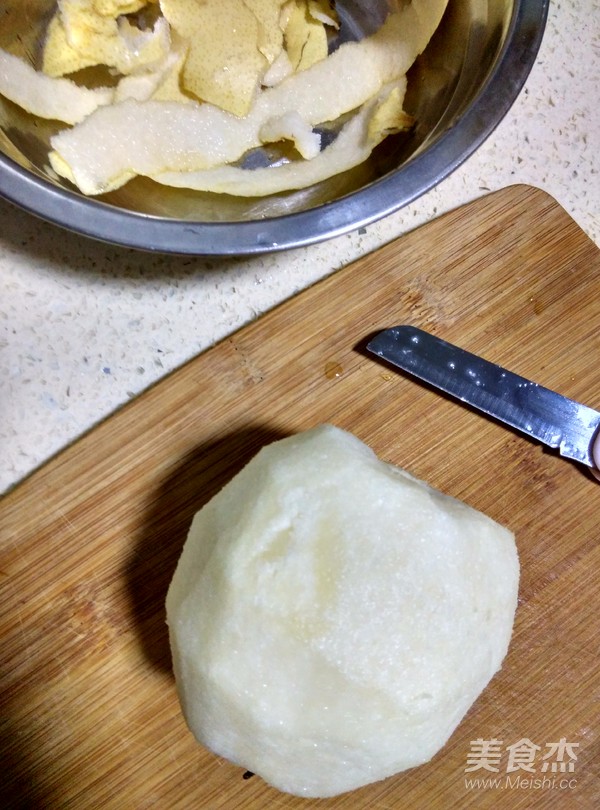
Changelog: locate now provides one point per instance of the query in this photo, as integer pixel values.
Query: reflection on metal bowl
(459, 89)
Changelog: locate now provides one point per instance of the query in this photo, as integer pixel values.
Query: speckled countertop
(84, 327)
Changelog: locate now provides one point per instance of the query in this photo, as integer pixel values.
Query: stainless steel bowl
(459, 90)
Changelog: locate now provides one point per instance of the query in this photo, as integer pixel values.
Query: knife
(536, 411)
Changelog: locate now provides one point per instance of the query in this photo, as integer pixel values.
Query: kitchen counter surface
(84, 326)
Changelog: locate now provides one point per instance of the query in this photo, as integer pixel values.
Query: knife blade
(543, 414)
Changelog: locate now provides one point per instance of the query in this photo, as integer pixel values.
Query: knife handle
(596, 456)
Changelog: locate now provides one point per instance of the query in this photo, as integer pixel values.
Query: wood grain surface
(88, 544)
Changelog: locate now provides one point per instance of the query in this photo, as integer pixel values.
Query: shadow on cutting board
(190, 484)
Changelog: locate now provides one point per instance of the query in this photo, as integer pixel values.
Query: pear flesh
(332, 618)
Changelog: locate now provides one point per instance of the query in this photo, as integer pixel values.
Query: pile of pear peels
(193, 86)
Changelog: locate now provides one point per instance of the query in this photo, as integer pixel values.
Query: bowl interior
(442, 84)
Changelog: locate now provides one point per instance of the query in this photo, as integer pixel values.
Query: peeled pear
(332, 618)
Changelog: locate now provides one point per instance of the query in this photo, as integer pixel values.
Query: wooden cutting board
(90, 718)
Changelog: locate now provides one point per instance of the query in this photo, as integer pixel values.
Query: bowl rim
(107, 223)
